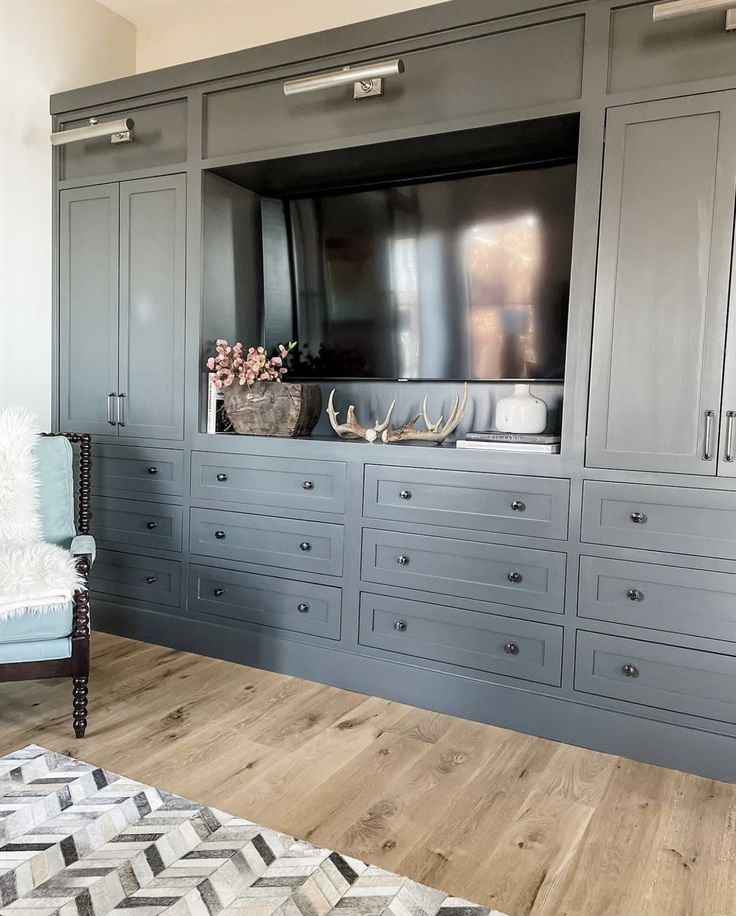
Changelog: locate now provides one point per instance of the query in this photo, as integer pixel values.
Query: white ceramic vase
(521, 412)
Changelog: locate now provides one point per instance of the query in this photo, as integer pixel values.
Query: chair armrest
(83, 545)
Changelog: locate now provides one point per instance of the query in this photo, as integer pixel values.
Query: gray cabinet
(662, 286)
(122, 270)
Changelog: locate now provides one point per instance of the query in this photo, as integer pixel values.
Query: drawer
(160, 140)
(144, 579)
(695, 602)
(675, 519)
(139, 524)
(266, 540)
(518, 576)
(467, 639)
(252, 598)
(284, 483)
(668, 677)
(470, 79)
(125, 469)
(535, 506)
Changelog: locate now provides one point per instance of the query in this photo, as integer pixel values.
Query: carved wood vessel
(285, 409)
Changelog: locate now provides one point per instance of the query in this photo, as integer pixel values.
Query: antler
(433, 433)
(352, 429)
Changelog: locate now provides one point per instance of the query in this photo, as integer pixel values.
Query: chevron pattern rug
(77, 840)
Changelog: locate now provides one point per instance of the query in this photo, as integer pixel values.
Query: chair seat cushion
(30, 626)
(40, 650)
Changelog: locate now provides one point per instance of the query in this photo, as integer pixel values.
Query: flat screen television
(446, 279)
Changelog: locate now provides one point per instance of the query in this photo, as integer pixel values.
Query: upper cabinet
(122, 271)
(662, 286)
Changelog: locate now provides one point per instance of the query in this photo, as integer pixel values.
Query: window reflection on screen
(404, 271)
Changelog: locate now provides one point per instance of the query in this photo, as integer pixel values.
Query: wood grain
(522, 824)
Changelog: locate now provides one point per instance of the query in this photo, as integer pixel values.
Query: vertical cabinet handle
(730, 417)
(121, 410)
(110, 401)
(708, 437)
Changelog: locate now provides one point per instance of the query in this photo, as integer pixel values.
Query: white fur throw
(34, 575)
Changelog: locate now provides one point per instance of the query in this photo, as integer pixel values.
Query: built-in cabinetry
(587, 596)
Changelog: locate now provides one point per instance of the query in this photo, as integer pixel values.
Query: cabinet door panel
(88, 293)
(663, 270)
(152, 265)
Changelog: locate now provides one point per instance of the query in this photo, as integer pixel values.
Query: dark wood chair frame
(77, 665)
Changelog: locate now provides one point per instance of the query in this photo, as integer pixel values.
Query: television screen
(460, 278)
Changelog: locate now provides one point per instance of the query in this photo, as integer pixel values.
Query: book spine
(211, 407)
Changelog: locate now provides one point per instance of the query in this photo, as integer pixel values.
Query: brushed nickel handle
(151, 525)
(634, 594)
(630, 670)
(638, 518)
(730, 417)
(222, 478)
(220, 535)
(305, 546)
(511, 648)
(121, 409)
(150, 580)
(404, 494)
(515, 577)
(708, 437)
(110, 399)
(218, 592)
(308, 485)
(402, 560)
(518, 505)
(302, 608)
(400, 626)
(153, 470)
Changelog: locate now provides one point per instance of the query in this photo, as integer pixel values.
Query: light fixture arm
(119, 131)
(677, 9)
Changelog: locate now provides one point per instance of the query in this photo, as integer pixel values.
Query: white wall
(45, 46)
(172, 33)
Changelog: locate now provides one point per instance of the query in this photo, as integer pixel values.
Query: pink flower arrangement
(235, 364)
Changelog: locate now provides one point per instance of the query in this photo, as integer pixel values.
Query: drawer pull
(153, 470)
(303, 608)
(511, 648)
(218, 592)
(630, 670)
(307, 485)
(518, 505)
(634, 594)
(222, 478)
(638, 518)
(402, 560)
(150, 580)
(515, 577)
(404, 494)
(151, 525)
(220, 535)
(305, 546)
(400, 626)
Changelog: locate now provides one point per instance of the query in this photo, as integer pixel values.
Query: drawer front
(520, 67)
(468, 639)
(693, 521)
(668, 677)
(691, 601)
(160, 140)
(287, 483)
(139, 524)
(535, 506)
(279, 542)
(144, 579)
(299, 606)
(125, 469)
(517, 576)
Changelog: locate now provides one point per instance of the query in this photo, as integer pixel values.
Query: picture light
(120, 131)
(676, 9)
(367, 79)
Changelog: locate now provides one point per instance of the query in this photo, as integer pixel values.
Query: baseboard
(684, 748)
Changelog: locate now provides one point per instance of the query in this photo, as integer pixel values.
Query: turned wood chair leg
(80, 705)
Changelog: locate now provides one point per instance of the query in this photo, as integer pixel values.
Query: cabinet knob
(400, 626)
(402, 560)
(634, 594)
(630, 670)
(511, 648)
(303, 608)
(222, 478)
(152, 470)
(151, 525)
(220, 535)
(218, 592)
(514, 576)
(307, 485)
(518, 505)
(638, 518)
(150, 580)
(305, 546)
(404, 494)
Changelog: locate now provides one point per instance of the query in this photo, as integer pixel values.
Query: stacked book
(511, 442)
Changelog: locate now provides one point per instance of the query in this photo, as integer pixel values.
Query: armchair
(56, 644)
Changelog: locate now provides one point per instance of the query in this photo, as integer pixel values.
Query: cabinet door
(662, 286)
(88, 321)
(152, 266)
(727, 443)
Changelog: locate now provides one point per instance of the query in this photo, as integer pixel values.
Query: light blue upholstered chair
(56, 644)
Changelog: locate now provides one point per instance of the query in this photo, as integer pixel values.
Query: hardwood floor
(516, 823)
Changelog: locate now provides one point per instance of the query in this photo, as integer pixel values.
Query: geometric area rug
(77, 840)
